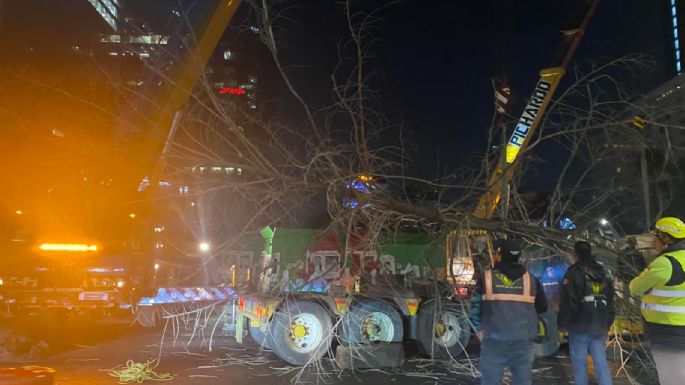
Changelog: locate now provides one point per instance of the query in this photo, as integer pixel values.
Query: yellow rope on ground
(139, 372)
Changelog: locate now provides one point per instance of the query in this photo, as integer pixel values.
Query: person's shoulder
(573, 273)
(661, 260)
(572, 270)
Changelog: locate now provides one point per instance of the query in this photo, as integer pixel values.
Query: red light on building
(231, 91)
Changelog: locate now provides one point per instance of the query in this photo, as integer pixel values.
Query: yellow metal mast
(183, 80)
(528, 123)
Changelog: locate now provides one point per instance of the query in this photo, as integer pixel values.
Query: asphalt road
(82, 353)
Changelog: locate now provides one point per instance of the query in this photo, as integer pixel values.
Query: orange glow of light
(18, 212)
(67, 247)
(132, 215)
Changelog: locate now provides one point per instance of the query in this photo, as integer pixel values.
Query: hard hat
(671, 226)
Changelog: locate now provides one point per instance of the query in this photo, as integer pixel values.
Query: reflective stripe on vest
(490, 295)
(665, 305)
(668, 293)
(664, 308)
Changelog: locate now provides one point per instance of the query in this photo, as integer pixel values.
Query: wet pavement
(83, 353)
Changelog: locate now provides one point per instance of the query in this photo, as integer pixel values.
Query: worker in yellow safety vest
(662, 287)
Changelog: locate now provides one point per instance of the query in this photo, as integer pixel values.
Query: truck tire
(371, 321)
(550, 342)
(301, 332)
(259, 337)
(442, 331)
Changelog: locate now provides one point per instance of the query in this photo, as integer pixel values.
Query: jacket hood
(593, 269)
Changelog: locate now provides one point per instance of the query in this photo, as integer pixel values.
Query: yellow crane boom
(529, 121)
(182, 82)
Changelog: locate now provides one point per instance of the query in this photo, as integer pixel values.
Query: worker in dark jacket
(586, 311)
(507, 300)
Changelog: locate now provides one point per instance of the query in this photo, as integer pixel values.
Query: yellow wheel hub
(299, 331)
(440, 329)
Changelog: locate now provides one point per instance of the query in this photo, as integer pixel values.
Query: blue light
(359, 186)
(350, 203)
(567, 224)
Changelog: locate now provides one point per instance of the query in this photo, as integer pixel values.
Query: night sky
(432, 62)
(435, 60)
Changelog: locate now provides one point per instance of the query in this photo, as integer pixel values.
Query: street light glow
(603, 222)
(203, 246)
(67, 247)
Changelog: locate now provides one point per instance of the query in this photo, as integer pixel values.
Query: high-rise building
(676, 23)
(109, 10)
(75, 79)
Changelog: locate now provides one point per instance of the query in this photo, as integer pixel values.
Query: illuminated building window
(108, 9)
(110, 39)
(149, 39)
(676, 41)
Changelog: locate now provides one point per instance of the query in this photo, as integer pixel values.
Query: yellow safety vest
(666, 304)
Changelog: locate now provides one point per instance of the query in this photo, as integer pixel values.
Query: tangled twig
(138, 372)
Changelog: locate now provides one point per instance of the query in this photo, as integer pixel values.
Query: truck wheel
(301, 332)
(259, 337)
(370, 321)
(550, 341)
(442, 332)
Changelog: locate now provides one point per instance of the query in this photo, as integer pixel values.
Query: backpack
(597, 288)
